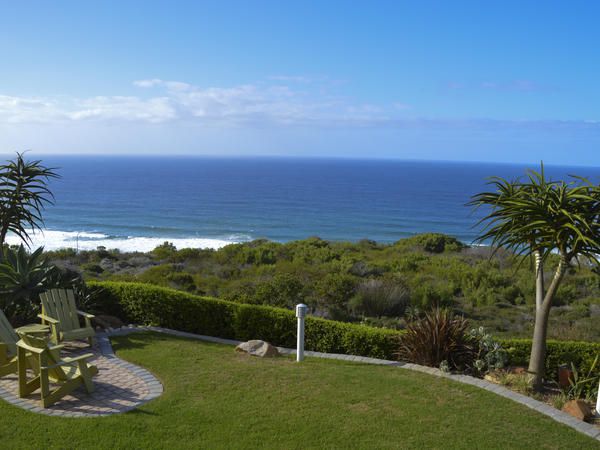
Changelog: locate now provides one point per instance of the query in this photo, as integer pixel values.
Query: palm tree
(23, 194)
(538, 218)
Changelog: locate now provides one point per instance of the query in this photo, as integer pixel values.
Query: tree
(23, 194)
(537, 218)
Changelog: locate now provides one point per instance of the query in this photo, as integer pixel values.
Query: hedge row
(158, 306)
(558, 353)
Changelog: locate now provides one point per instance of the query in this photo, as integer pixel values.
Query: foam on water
(54, 240)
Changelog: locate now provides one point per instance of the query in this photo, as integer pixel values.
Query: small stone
(578, 409)
(258, 348)
(492, 377)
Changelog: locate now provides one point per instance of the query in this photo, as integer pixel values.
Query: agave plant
(23, 276)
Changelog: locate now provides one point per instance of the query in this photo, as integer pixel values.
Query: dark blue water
(138, 202)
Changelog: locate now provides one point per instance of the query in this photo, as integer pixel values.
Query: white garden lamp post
(598, 402)
(300, 314)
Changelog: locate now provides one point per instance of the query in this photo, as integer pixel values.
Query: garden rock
(258, 348)
(578, 409)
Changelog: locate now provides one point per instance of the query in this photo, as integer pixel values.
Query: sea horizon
(135, 202)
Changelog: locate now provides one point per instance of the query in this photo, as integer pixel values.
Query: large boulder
(258, 348)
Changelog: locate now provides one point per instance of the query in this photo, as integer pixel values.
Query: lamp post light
(300, 314)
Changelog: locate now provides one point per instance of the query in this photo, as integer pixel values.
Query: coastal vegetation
(363, 282)
(442, 340)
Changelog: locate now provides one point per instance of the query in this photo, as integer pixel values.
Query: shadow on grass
(141, 340)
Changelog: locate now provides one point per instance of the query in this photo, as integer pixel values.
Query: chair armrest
(86, 315)
(69, 361)
(51, 320)
(29, 348)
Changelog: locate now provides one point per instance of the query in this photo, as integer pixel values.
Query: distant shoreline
(85, 241)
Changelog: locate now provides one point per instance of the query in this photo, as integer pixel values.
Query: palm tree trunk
(537, 359)
(3, 233)
(539, 281)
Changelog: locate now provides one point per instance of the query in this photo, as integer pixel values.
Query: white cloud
(147, 83)
(28, 109)
(248, 104)
(153, 110)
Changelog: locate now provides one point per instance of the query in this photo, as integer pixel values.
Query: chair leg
(45, 385)
(26, 386)
(86, 376)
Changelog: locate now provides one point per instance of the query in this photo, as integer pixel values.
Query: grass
(216, 398)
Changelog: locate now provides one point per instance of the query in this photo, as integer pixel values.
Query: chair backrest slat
(60, 305)
(8, 335)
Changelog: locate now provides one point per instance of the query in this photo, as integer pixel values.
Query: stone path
(119, 386)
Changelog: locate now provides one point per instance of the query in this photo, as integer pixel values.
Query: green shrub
(334, 290)
(92, 268)
(158, 306)
(284, 290)
(164, 250)
(558, 353)
(377, 298)
(433, 242)
(154, 305)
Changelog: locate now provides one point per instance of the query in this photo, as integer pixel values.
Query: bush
(153, 305)
(284, 290)
(376, 298)
(558, 353)
(433, 243)
(333, 292)
(158, 306)
(164, 250)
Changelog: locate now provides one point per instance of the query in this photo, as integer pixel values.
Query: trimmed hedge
(164, 307)
(580, 354)
(153, 305)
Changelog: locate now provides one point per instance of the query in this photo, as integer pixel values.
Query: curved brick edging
(119, 387)
(559, 416)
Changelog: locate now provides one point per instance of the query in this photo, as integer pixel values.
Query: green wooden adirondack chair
(60, 312)
(68, 373)
(8, 347)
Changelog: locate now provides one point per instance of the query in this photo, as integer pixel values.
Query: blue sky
(508, 81)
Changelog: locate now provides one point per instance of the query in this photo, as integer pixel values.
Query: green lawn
(215, 398)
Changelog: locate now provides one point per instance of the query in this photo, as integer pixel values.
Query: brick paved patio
(119, 386)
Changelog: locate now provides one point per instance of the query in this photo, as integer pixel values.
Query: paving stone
(119, 386)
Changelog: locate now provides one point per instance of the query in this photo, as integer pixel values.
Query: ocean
(135, 203)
